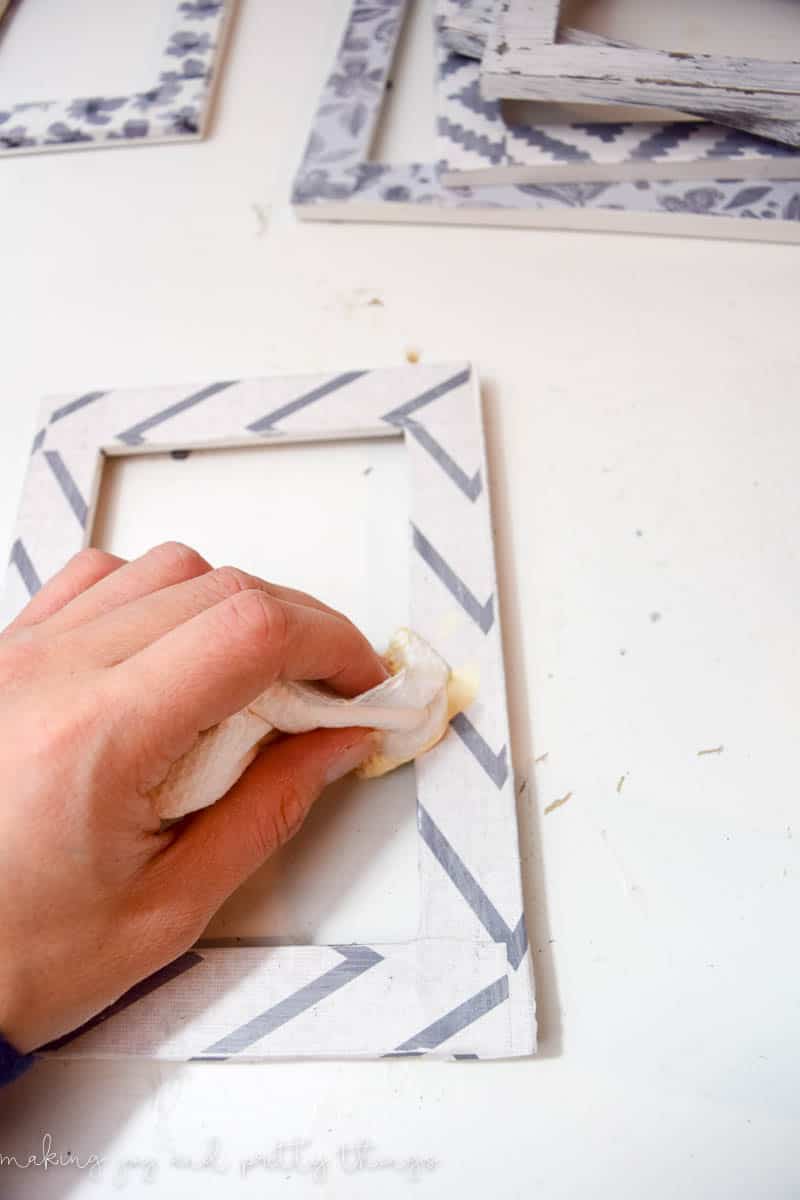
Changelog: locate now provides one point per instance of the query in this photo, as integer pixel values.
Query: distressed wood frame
(480, 143)
(464, 988)
(526, 59)
(176, 107)
(336, 181)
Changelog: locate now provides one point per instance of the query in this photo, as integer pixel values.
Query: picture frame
(526, 59)
(483, 141)
(464, 986)
(176, 107)
(337, 181)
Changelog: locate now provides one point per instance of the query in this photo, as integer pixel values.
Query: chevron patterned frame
(175, 107)
(464, 988)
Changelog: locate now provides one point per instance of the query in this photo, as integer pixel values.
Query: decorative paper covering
(338, 181)
(175, 107)
(465, 987)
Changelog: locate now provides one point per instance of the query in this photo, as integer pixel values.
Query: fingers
(217, 662)
(82, 572)
(128, 628)
(165, 565)
(222, 845)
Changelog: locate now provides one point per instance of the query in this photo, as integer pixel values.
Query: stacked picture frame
(527, 57)
(479, 141)
(337, 180)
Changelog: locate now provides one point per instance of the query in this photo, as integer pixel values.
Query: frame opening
(166, 52)
(406, 123)
(740, 28)
(94, 48)
(329, 518)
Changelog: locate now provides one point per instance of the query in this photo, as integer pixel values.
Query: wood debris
(557, 803)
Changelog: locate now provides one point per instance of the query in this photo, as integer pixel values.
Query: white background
(641, 399)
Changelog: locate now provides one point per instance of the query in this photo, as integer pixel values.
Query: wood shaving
(557, 803)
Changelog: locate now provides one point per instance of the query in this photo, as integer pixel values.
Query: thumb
(222, 845)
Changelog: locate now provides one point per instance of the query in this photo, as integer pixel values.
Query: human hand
(106, 679)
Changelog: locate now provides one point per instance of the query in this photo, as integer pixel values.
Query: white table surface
(641, 402)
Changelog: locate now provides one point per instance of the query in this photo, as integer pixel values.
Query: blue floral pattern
(350, 102)
(335, 169)
(185, 42)
(200, 10)
(96, 111)
(355, 79)
(174, 107)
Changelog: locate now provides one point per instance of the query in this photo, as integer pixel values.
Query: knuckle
(278, 822)
(229, 581)
(20, 655)
(166, 923)
(256, 616)
(180, 559)
(182, 928)
(92, 560)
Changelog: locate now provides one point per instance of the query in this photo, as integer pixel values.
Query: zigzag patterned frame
(465, 987)
(176, 107)
(336, 180)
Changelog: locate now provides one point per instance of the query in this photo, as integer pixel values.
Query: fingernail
(351, 757)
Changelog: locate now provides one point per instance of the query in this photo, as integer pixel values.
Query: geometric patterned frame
(464, 987)
(338, 181)
(176, 107)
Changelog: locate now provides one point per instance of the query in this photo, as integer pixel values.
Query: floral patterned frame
(336, 180)
(176, 108)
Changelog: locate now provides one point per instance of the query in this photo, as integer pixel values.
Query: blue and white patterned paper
(174, 107)
(336, 180)
(464, 985)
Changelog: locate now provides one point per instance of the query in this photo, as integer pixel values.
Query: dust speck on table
(621, 783)
(262, 213)
(412, 355)
(710, 750)
(655, 616)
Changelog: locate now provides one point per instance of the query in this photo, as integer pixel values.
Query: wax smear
(412, 709)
